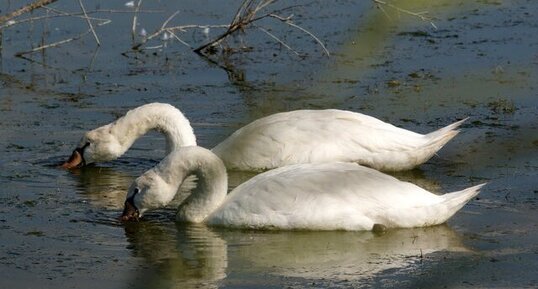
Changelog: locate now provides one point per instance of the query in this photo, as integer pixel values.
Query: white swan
(302, 136)
(328, 196)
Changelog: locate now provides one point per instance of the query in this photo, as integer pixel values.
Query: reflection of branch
(420, 15)
(25, 9)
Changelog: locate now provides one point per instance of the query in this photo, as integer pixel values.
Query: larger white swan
(328, 196)
(302, 136)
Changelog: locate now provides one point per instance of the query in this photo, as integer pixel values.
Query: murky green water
(58, 229)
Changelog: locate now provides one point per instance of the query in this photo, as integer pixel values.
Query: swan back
(331, 196)
(316, 136)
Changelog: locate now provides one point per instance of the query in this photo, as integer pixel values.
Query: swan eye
(136, 191)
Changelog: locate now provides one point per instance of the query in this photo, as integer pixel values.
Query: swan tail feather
(454, 201)
(430, 214)
(443, 135)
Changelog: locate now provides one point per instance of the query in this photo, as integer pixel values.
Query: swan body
(325, 196)
(316, 136)
(302, 136)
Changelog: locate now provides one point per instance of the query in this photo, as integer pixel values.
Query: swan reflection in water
(106, 187)
(188, 256)
(177, 256)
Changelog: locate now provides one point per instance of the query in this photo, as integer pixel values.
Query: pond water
(59, 229)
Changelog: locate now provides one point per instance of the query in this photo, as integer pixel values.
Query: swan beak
(130, 212)
(75, 160)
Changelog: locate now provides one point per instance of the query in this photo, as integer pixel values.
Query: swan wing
(328, 196)
(314, 136)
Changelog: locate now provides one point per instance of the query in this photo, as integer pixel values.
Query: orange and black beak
(130, 212)
(76, 159)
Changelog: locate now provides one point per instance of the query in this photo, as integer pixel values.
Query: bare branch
(247, 14)
(28, 8)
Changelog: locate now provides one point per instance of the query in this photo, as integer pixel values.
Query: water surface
(58, 229)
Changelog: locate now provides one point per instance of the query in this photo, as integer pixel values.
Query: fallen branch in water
(246, 15)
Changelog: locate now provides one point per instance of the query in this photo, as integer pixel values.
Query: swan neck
(212, 184)
(163, 118)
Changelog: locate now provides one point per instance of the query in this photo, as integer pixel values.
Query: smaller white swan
(329, 196)
(295, 137)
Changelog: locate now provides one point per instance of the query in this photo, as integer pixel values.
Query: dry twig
(28, 8)
(288, 21)
(135, 19)
(247, 14)
(89, 23)
(76, 14)
(173, 31)
(421, 15)
(55, 44)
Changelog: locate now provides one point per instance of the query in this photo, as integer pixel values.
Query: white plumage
(302, 136)
(328, 196)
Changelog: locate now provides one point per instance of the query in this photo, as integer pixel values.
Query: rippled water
(59, 229)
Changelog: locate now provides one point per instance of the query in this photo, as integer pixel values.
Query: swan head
(147, 192)
(98, 145)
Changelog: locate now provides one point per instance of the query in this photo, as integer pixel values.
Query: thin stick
(288, 21)
(89, 23)
(278, 40)
(156, 33)
(25, 9)
(169, 19)
(419, 15)
(135, 18)
(179, 39)
(78, 14)
(55, 44)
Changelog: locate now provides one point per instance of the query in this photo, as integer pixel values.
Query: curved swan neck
(212, 184)
(161, 117)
